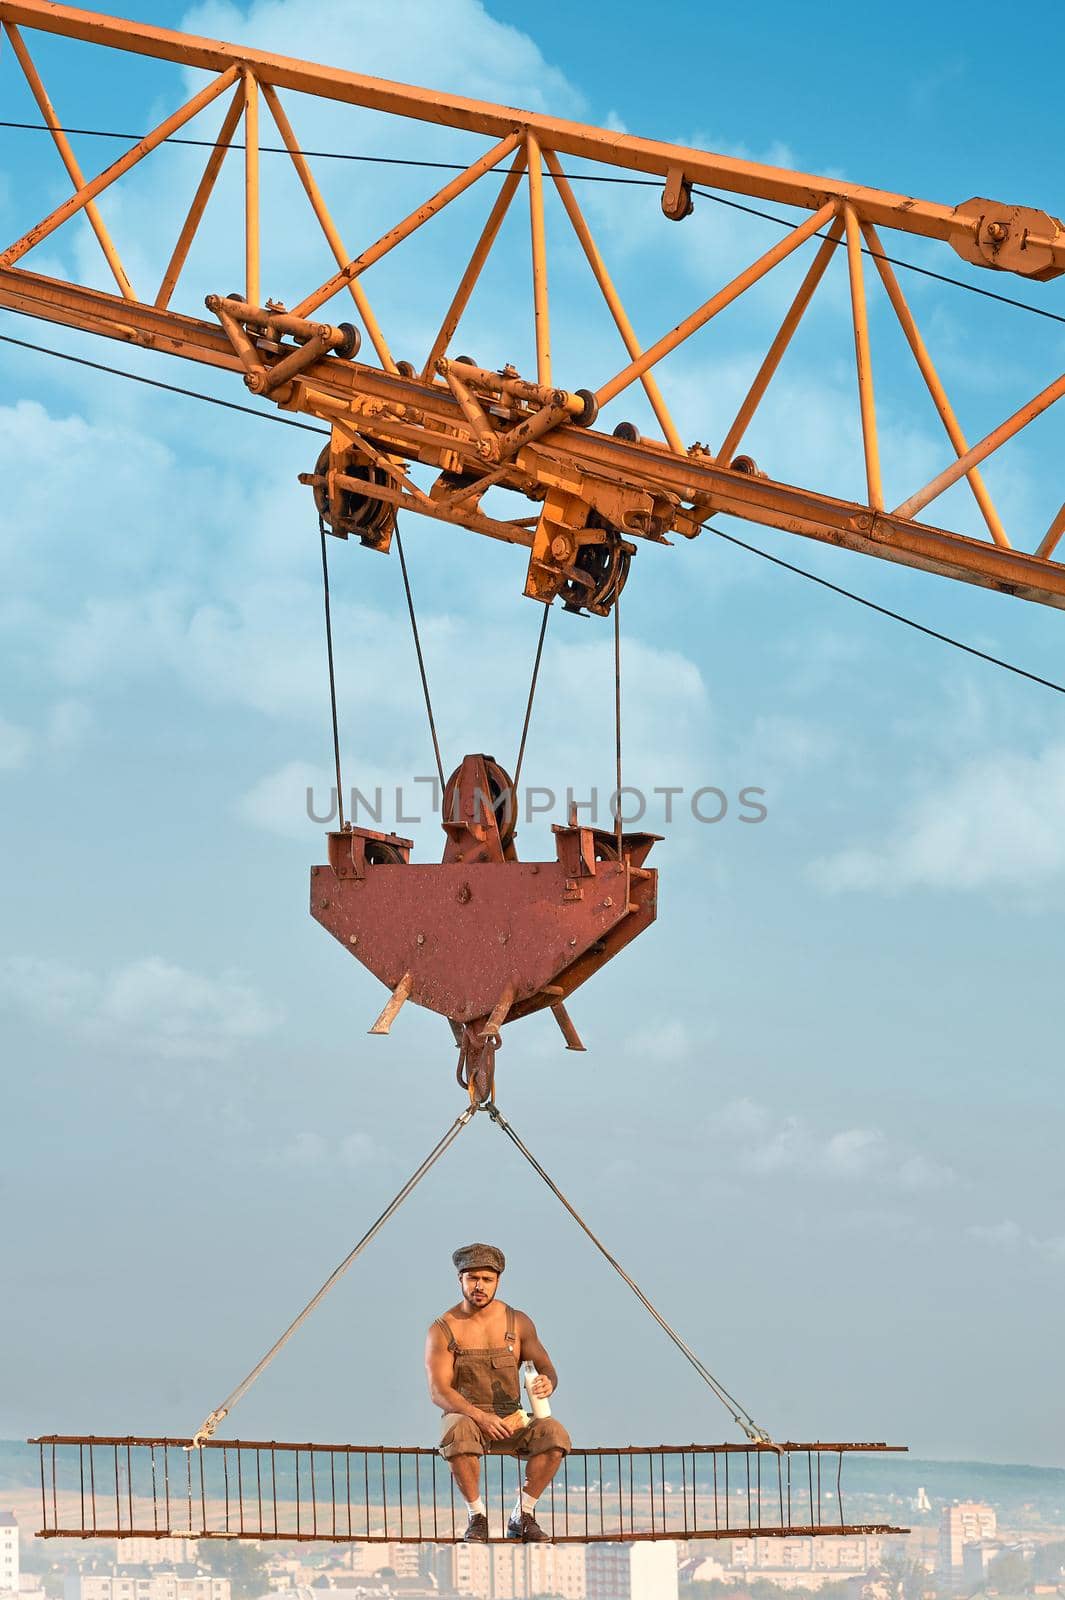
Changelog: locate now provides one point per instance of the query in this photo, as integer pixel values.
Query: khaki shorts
(460, 1436)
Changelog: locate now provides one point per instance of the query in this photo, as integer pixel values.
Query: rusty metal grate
(118, 1487)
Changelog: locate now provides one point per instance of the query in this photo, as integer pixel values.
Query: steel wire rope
(421, 661)
(572, 177)
(885, 611)
(739, 1413)
(802, 572)
(153, 383)
(617, 721)
(332, 673)
(529, 702)
(443, 1144)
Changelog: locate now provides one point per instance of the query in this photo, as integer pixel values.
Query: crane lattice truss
(479, 427)
(122, 1487)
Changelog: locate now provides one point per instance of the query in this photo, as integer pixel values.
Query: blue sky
(821, 1113)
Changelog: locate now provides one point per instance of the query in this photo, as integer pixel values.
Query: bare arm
(440, 1370)
(532, 1350)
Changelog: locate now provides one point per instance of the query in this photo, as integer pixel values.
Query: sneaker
(476, 1530)
(527, 1529)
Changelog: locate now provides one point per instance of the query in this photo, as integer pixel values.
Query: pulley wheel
(501, 795)
(598, 576)
(370, 520)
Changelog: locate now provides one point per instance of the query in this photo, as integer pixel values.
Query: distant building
(645, 1571)
(154, 1552)
(131, 1584)
(9, 1563)
(514, 1571)
(976, 1556)
(801, 1563)
(965, 1522)
(366, 1560)
(470, 1569)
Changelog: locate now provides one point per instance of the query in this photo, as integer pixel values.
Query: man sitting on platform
(473, 1355)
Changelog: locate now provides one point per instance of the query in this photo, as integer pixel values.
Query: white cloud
(14, 745)
(760, 1141)
(309, 1150)
(278, 802)
(148, 1006)
(665, 1045)
(68, 725)
(1009, 1236)
(994, 825)
(455, 45)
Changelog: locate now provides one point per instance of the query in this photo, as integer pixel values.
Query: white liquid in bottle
(538, 1405)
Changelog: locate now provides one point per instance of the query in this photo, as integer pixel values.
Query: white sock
(475, 1508)
(525, 1502)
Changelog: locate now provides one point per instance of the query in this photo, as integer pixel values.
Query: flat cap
(474, 1257)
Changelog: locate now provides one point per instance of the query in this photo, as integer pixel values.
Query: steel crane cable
(572, 177)
(210, 1423)
(895, 261)
(529, 702)
(617, 719)
(421, 661)
(153, 383)
(740, 1415)
(332, 674)
(288, 422)
(885, 611)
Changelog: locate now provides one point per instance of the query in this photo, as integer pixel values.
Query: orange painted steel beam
(695, 479)
(1049, 542)
(765, 373)
(111, 174)
(541, 315)
(410, 224)
(204, 190)
(933, 382)
(328, 226)
(863, 359)
(473, 271)
(612, 298)
(515, 433)
(979, 452)
(717, 302)
(986, 232)
(69, 160)
(251, 188)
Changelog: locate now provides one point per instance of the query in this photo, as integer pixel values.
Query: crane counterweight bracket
(483, 938)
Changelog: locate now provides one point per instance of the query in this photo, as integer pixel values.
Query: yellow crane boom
(479, 427)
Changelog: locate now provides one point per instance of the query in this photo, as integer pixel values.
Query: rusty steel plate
(467, 932)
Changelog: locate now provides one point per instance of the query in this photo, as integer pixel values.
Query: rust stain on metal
(480, 937)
